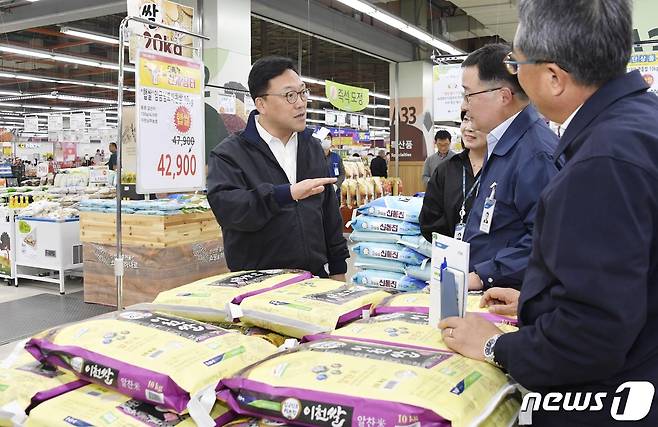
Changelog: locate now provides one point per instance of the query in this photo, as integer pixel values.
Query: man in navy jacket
(519, 165)
(268, 185)
(588, 307)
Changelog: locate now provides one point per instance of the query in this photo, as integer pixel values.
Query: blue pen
(444, 265)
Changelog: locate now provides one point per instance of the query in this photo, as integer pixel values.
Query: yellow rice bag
(309, 307)
(153, 357)
(208, 299)
(94, 405)
(341, 382)
(419, 302)
(21, 378)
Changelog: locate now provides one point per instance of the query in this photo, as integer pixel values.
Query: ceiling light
(74, 60)
(9, 93)
(359, 5)
(389, 19)
(90, 35)
(419, 34)
(64, 58)
(24, 51)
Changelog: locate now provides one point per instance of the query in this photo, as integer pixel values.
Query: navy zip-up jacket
(521, 165)
(589, 301)
(262, 226)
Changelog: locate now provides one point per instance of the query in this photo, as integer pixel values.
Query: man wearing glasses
(588, 308)
(518, 165)
(268, 185)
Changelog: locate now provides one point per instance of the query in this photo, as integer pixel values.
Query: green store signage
(346, 98)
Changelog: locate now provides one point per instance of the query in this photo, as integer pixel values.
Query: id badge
(336, 171)
(459, 231)
(487, 215)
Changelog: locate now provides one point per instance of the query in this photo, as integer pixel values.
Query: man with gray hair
(588, 307)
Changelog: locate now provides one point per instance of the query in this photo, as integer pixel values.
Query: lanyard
(475, 187)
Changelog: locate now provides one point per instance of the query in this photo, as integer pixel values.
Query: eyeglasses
(512, 65)
(291, 96)
(467, 96)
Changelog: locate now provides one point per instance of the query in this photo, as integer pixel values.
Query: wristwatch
(488, 350)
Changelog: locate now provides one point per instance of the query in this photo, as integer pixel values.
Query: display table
(46, 245)
(7, 246)
(160, 253)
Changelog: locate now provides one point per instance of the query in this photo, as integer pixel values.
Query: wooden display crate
(160, 253)
(152, 231)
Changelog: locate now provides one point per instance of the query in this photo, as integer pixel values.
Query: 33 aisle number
(180, 164)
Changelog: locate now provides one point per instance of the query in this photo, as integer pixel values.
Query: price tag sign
(99, 174)
(170, 123)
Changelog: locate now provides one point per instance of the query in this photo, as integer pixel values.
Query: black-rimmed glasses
(467, 96)
(512, 65)
(292, 96)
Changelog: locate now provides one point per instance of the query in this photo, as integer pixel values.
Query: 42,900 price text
(176, 165)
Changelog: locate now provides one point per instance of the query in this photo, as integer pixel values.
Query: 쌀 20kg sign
(170, 123)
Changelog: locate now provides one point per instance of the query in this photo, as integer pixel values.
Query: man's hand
(338, 277)
(502, 301)
(468, 335)
(474, 282)
(309, 187)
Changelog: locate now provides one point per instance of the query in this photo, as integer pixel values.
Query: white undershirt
(286, 154)
(497, 133)
(567, 122)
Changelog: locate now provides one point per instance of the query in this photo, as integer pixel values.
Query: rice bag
(153, 357)
(387, 280)
(93, 405)
(22, 377)
(208, 299)
(417, 243)
(394, 207)
(419, 272)
(341, 382)
(254, 422)
(309, 307)
(254, 331)
(371, 236)
(419, 302)
(390, 251)
(384, 225)
(378, 264)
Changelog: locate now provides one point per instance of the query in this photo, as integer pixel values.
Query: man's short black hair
(264, 70)
(489, 61)
(442, 134)
(113, 144)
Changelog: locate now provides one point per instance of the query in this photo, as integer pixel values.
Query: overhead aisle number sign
(170, 123)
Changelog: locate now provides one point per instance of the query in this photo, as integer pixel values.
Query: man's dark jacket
(262, 226)
(589, 301)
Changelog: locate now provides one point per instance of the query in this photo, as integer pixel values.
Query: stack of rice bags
(389, 369)
(390, 251)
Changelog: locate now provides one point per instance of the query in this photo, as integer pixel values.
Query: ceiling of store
(467, 23)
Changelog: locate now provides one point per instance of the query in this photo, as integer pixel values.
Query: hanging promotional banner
(170, 123)
(227, 104)
(55, 122)
(329, 118)
(354, 121)
(346, 98)
(156, 38)
(341, 119)
(363, 123)
(647, 64)
(31, 124)
(447, 92)
(77, 121)
(98, 119)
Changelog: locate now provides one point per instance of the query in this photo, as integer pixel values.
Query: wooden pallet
(149, 231)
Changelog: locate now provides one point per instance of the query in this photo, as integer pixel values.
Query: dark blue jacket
(262, 226)
(521, 165)
(589, 301)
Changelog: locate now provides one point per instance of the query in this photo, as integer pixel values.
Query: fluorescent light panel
(90, 35)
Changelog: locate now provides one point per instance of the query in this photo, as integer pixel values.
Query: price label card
(170, 123)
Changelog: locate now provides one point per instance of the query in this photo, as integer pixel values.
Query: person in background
(378, 166)
(443, 152)
(518, 166)
(98, 157)
(268, 185)
(112, 164)
(453, 186)
(334, 165)
(588, 307)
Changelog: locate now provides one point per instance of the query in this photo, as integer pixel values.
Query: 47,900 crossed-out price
(180, 164)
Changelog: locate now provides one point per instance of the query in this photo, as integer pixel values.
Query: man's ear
(555, 79)
(261, 105)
